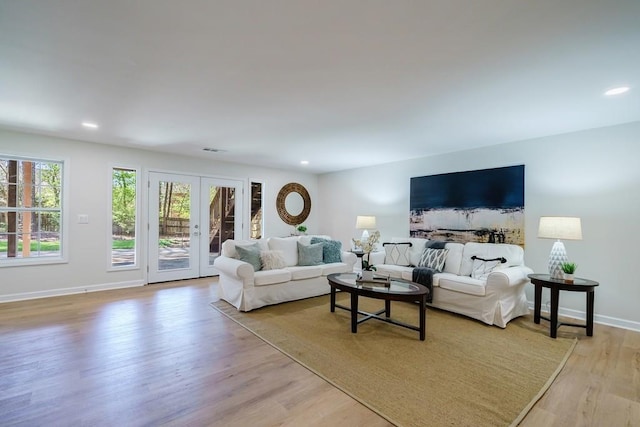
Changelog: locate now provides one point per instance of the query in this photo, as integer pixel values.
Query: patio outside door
(189, 218)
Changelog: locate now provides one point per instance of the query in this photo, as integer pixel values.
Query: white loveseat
(494, 299)
(247, 289)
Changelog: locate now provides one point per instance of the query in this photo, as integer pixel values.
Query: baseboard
(70, 291)
(603, 320)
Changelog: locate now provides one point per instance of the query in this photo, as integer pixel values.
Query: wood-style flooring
(160, 355)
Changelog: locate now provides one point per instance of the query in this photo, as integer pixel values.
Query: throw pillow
(331, 250)
(434, 258)
(272, 260)
(397, 253)
(310, 254)
(483, 267)
(250, 254)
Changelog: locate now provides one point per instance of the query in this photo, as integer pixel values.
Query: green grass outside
(44, 246)
(123, 244)
(55, 246)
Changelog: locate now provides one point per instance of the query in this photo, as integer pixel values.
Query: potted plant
(301, 229)
(367, 247)
(569, 269)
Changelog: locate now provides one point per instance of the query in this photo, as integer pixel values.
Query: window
(124, 196)
(30, 210)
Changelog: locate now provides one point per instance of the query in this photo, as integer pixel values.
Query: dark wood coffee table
(398, 290)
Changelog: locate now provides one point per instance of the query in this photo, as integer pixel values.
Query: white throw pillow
(272, 260)
(434, 258)
(397, 253)
(483, 267)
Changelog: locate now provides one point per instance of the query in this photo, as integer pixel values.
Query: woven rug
(465, 373)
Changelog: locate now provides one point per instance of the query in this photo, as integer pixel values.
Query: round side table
(555, 286)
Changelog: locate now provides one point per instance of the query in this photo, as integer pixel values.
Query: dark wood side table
(358, 253)
(555, 286)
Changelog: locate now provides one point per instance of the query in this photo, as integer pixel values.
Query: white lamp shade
(560, 227)
(364, 222)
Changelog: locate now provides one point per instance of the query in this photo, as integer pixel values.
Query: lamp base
(557, 256)
(365, 236)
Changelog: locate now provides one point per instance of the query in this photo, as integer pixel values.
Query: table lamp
(364, 223)
(559, 227)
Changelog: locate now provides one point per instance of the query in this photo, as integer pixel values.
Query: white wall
(89, 166)
(592, 174)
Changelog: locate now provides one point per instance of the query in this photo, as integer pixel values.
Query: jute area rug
(464, 374)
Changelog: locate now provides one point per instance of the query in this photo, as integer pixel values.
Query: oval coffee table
(397, 290)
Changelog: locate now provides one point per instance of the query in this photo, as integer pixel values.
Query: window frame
(63, 258)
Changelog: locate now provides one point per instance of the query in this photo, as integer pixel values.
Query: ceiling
(340, 83)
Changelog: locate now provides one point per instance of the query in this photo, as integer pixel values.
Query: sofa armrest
(348, 258)
(235, 268)
(511, 276)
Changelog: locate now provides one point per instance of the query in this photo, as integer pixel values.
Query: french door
(189, 219)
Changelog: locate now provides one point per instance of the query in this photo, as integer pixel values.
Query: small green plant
(302, 228)
(569, 267)
(367, 266)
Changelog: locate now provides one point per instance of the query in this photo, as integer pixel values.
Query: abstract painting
(484, 206)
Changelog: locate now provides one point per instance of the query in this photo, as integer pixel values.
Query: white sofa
(247, 289)
(494, 300)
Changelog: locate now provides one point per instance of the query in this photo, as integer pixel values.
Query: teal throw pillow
(250, 254)
(331, 250)
(310, 254)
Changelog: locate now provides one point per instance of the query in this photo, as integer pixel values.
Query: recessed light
(90, 125)
(304, 162)
(617, 90)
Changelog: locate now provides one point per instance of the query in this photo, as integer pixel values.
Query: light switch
(83, 219)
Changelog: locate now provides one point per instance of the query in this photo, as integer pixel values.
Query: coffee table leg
(387, 308)
(354, 312)
(423, 316)
(333, 299)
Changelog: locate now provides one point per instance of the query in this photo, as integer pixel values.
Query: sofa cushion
(272, 260)
(454, 257)
(288, 246)
(331, 249)
(434, 258)
(271, 277)
(305, 272)
(393, 271)
(250, 254)
(463, 284)
(397, 253)
(310, 254)
(514, 254)
(336, 267)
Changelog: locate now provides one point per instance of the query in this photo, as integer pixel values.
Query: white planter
(367, 275)
(568, 278)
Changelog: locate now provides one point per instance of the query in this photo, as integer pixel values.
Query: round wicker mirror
(293, 218)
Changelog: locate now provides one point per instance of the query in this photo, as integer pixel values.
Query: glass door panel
(174, 227)
(221, 205)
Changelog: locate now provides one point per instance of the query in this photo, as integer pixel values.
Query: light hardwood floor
(160, 355)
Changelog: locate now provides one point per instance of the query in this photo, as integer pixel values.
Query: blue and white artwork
(484, 206)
